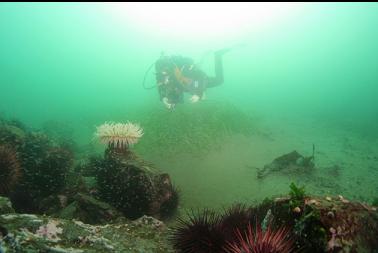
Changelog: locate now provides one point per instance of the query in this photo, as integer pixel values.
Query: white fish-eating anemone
(119, 135)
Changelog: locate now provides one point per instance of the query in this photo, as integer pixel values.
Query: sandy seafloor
(228, 175)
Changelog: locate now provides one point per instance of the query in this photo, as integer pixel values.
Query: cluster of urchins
(237, 230)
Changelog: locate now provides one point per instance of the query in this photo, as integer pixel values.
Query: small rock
(312, 201)
(332, 230)
(345, 201)
(330, 215)
(297, 209)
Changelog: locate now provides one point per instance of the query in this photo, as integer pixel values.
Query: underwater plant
(259, 241)
(297, 196)
(10, 169)
(200, 233)
(119, 135)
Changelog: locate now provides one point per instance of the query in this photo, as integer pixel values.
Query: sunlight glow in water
(203, 20)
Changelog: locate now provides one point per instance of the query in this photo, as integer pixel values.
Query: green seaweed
(297, 195)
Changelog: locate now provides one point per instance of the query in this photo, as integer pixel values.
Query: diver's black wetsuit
(218, 62)
(196, 81)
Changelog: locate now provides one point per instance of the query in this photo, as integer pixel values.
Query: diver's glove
(194, 98)
(167, 104)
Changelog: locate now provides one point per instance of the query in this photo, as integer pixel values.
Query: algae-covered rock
(11, 135)
(40, 166)
(5, 206)
(327, 224)
(89, 210)
(133, 186)
(33, 233)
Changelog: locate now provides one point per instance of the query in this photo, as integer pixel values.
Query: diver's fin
(228, 49)
(222, 51)
(240, 45)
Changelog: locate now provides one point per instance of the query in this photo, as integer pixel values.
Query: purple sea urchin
(201, 233)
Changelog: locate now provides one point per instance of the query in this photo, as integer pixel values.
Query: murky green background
(310, 78)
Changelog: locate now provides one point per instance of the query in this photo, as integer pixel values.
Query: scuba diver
(176, 75)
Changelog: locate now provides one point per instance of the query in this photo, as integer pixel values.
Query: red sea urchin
(258, 241)
(10, 169)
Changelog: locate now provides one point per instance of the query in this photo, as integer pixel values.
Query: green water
(310, 78)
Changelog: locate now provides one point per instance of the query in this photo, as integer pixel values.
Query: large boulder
(133, 186)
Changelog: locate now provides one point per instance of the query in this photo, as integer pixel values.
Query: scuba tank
(176, 66)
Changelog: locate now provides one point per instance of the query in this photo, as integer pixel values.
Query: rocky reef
(314, 224)
(118, 202)
(41, 176)
(41, 165)
(35, 233)
(310, 223)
